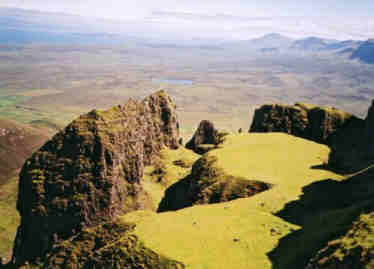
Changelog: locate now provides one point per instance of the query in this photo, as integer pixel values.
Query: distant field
(47, 85)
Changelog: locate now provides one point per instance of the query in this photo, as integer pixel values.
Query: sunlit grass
(238, 234)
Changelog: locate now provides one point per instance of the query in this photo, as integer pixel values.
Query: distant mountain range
(276, 43)
(365, 52)
(18, 26)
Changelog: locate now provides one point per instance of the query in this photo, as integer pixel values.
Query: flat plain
(49, 85)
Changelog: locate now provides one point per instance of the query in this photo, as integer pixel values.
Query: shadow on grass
(330, 168)
(176, 196)
(324, 211)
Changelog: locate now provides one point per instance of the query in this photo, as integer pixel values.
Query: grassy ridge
(241, 233)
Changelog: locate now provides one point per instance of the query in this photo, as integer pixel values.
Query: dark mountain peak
(365, 52)
(91, 172)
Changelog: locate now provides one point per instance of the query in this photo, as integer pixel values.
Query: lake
(173, 81)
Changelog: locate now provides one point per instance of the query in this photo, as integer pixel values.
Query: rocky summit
(302, 120)
(91, 172)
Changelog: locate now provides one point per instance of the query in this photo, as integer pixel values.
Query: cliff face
(369, 132)
(350, 139)
(353, 148)
(305, 121)
(91, 172)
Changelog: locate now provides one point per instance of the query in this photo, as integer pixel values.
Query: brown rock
(352, 148)
(305, 121)
(208, 184)
(206, 134)
(91, 172)
(280, 118)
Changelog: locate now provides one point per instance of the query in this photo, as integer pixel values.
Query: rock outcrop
(350, 138)
(353, 148)
(206, 138)
(91, 172)
(110, 245)
(208, 184)
(206, 134)
(352, 250)
(306, 121)
(369, 132)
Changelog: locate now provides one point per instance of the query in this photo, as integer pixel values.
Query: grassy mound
(240, 233)
(208, 184)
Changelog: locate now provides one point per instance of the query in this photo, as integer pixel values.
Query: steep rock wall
(91, 172)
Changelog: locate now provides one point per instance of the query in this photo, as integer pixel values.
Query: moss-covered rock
(206, 138)
(353, 250)
(91, 172)
(352, 148)
(349, 138)
(208, 184)
(302, 120)
(109, 245)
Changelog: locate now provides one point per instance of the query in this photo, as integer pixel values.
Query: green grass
(9, 219)
(9, 100)
(240, 233)
(165, 171)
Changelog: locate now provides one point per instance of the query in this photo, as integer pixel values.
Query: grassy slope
(17, 142)
(9, 219)
(241, 233)
(166, 170)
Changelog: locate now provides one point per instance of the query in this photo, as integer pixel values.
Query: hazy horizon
(231, 20)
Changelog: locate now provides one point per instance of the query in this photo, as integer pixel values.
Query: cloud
(250, 18)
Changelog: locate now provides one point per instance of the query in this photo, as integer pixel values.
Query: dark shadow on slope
(189, 191)
(324, 212)
(328, 167)
(176, 196)
(209, 184)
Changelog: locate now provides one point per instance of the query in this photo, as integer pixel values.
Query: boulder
(91, 172)
(206, 138)
(206, 134)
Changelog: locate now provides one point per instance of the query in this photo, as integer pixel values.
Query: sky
(121, 9)
(328, 18)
